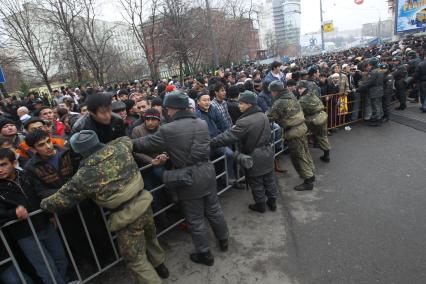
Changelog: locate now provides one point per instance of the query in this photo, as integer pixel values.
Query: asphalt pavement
(363, 223)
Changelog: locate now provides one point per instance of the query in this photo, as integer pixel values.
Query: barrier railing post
(12, 256)
(43, 255)
(67, 247)
(86, 231)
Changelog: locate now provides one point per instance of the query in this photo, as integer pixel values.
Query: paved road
(363, 223)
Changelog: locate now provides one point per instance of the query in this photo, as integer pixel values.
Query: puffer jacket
(264, 101)
(253, 134)
(186, 140)
(111, 178)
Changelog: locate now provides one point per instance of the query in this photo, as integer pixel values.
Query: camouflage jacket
(310, 103)
(111, 178)
(287, 112)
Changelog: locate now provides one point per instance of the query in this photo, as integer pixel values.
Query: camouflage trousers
(140, 249)
(300, 157)
(320, 134)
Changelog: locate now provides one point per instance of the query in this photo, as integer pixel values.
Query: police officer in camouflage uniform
(315, 117)
(287, 112)
(187, 142)
(111, 178)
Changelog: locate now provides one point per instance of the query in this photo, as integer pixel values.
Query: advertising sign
(410, 16)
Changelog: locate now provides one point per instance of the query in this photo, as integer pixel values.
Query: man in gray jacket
(253, 132)
(187, 142)
(373, 86)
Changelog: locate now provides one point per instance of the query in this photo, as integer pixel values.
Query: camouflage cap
(303, 84)
(276, 86)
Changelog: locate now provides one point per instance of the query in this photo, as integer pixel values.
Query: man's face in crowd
(204, 102)
(323, 79)
(159, 108)
(231, 79)
(152, 123)
(335, 80)
(45, 148)
(123, 97)
(103, 115)
(198, 86)
(136, 97)
(46, 114)
(301, 90)
(63, 105)
(142, 106)
(9, 130)
(275, 93)
(83, 110)
(337, 69)
(243, 106)
(221, 94)
(7, 168)
(36, 125)
(291, 89)
(347, 69)
(317, 74)
(122, 114)
(276, 70)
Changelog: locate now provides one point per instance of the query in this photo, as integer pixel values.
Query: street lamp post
(322, 30)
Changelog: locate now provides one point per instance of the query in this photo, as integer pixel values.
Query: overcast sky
(344, 13)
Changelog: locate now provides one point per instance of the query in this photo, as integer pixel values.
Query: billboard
(410, 16)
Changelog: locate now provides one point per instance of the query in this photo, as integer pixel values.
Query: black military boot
(223, 245)
(308, 184)
(162, 271)
(205, 258)
(326, 157)
(258, 207)
(272, 204)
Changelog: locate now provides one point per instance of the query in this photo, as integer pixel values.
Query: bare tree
(31, 37)
(146, 22)
(96, 45)
(66, 16)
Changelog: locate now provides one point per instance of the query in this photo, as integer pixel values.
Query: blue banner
(410, 16)
(2, 78)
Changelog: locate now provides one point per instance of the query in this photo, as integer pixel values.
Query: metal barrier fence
(343, 109)
(276, 143)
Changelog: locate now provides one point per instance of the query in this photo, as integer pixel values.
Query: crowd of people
(86, 145)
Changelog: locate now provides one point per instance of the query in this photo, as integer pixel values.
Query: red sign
(359, 2)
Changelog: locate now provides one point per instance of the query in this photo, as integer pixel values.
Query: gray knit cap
(85, 142)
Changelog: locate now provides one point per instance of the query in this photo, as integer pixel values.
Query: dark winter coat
(264, 101)
(373, 86)
(186, 140)
(215, 121)
(253, 133)
(45, 178)
(106, 133)
(13, 194)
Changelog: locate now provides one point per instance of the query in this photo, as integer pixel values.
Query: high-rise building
(286, 15)
(266, 24)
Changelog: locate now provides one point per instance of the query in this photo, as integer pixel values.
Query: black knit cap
(152, 113)
(4, 121)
